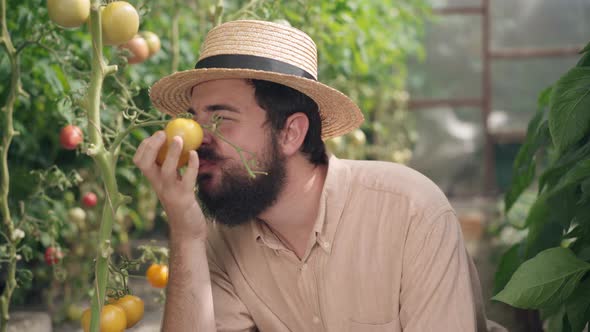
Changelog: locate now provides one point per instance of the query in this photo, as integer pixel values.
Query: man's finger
(171, 162)
(189, 178)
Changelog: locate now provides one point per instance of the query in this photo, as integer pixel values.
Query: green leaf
(569, 119)
(52, 79)
(584, 60)
(544, 98)
(585, 191)
(543, 234)
(545, 280)
(509, 263)
(524, 164)
(574, 176)
(556, 321)
(539, 211)
(578, 306)
(517, 215)
(570, 158)
(584, 254)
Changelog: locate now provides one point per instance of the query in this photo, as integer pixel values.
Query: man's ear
(294, 132)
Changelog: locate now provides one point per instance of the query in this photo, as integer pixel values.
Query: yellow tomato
(157, 275)
(120, 23)
(112, 319)
(68, 13)
(192, 136)
(153, 41)
(133, 307)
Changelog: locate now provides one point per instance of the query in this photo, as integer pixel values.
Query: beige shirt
(386, 254)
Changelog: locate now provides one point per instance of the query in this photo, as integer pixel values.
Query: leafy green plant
(550, 269)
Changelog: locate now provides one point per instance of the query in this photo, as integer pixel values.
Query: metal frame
(485, 101)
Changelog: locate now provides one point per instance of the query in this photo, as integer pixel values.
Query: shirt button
(326, 245)
(304, 267)
(316, 319)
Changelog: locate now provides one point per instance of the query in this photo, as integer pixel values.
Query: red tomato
(70, 137)
(139, 49)
(89, 199)
(53, 255)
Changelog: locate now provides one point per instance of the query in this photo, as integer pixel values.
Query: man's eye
(223, 117)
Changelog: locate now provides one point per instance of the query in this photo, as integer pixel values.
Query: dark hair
(280, 102)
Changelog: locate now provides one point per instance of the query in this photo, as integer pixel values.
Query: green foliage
(569, 120)
(545, 280)
(548, 270)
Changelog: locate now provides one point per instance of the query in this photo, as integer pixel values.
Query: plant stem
(105, 162)
(129, 129)
(9, 133)
(175, 41)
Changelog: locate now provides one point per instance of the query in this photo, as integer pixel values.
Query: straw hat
(260, 50)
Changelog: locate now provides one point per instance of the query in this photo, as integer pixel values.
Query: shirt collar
(333, 199)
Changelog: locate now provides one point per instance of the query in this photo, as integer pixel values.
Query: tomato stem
(106, 163)
(132, 127)
(174, 39)
(8, 133)
(214, 129)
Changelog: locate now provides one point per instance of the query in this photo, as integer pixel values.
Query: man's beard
(241, 198)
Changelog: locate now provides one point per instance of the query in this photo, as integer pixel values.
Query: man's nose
(207, 135)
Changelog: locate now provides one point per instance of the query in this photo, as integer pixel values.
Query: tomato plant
(112, 319)
(153, 42)
(68, 13)
(157, 275)
(192, 136)
(133, 307)
(139, 49)
(120, 23)
(70, 137)
(89, 199)
(53, 255)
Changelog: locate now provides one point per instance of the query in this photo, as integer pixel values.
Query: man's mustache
(208, 154)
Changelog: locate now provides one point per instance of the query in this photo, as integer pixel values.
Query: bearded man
(315, 244)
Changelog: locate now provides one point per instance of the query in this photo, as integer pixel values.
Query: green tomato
(68, 13)
(153, 42)
(77, 215)
(120, 23)
(74, 312)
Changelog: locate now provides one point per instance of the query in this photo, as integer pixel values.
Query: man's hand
(175, 192)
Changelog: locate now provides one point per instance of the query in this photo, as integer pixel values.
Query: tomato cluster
(119, 25)
(53, 255)
(117, 315)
